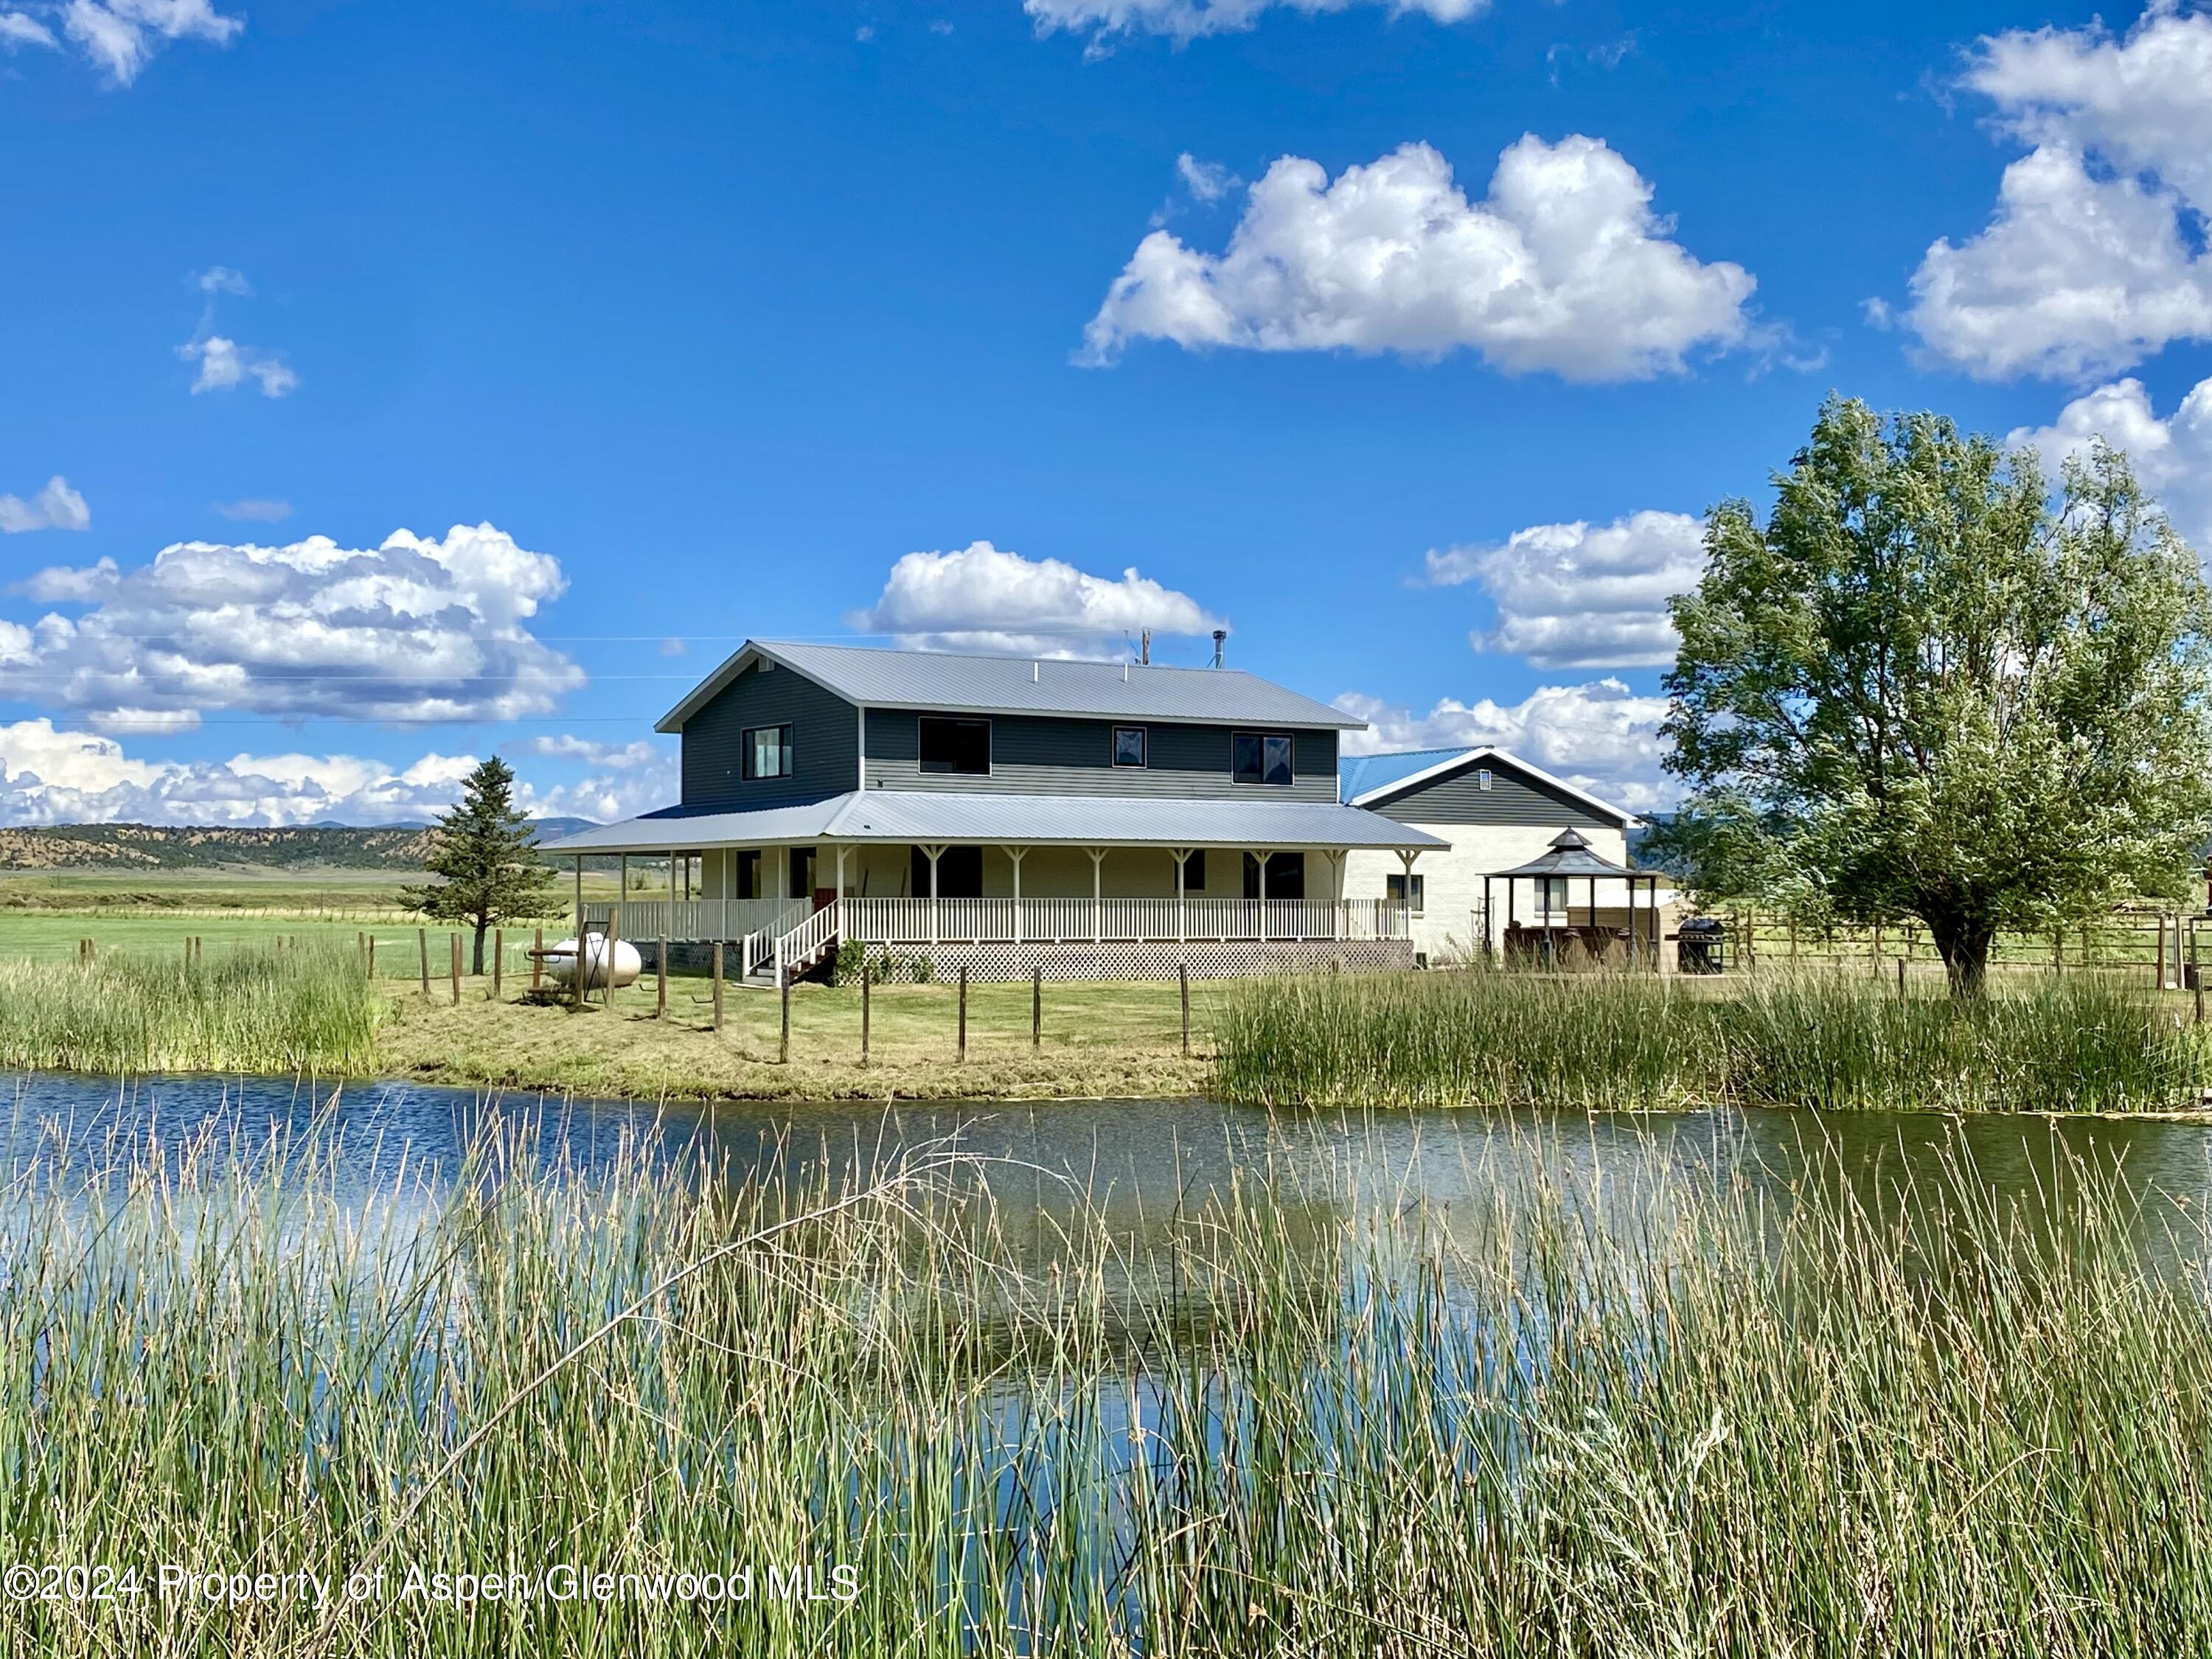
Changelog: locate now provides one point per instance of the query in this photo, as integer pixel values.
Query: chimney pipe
(1220, 639)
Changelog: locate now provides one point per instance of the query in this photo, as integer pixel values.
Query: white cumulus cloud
(416, 628)
(50, 775)
(1189, 20)
(621, 780)
(1582, 596)
(2172, 457)
(1599, 736)
(55, 507)
(984, 598)
(20, 29)
(120, 36)
(224, 364)
(1563, 267)
(2095, 256)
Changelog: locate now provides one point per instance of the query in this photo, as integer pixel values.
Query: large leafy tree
(483, 853)
(1929, 685)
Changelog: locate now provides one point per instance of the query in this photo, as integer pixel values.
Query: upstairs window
(958, 746)
(1260, 757)
(1485, 778)
(1129, 745)
(767, 752)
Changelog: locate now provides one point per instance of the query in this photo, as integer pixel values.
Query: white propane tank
(561, 963)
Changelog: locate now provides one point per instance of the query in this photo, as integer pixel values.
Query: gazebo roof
(1570, 855)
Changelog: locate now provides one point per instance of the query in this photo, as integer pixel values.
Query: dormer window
(1129, 746)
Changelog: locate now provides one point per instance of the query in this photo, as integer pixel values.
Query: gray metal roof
(880, 679)
(891, 815)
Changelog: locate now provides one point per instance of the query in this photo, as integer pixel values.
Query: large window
(768, 751)
(948, 745)
(1394, 889)
(1259, 756)
(1129, 745)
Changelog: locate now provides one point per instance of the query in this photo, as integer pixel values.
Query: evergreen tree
(483, 856)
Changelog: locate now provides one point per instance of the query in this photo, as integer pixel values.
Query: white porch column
(1406, 857)
(1181, 857)
(1097, 891)
(842, 850)
(1263, 853)
(1017, 854)
(933, 853)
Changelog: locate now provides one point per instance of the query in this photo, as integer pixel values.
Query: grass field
(1594, 1418)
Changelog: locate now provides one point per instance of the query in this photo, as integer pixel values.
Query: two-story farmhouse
(1080, 819)
(1083, 819)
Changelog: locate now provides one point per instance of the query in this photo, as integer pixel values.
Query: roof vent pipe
(1220, 639)
(1033, 673)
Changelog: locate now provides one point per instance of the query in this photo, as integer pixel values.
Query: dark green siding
(825, 740)
(1042, 755)
(1513, 798)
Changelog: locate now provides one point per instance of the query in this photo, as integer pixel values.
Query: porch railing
(1069, 921)
(693, 919)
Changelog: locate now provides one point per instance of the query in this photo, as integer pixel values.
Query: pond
(1140, 1164)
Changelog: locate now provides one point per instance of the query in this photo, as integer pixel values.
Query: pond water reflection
(1138, 1166)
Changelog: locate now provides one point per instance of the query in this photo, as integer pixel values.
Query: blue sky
(934, 321)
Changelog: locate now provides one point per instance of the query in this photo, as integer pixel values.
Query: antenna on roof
(1220, 639)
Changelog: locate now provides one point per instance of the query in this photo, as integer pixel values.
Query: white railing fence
(690, 919)
(1068, 921)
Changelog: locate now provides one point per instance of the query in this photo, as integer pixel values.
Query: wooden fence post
(867, 979)
(1036, 1009)
(498, 959)
(614, 938)
(576, 975)
(422, 950)
(717, 985)
(455, 940)
(660, 965)
(1901, 976)
(536, 958)
(1183, 982)
(783, 1036)
(964, 1014)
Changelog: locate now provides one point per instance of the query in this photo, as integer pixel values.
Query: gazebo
(1551, 932)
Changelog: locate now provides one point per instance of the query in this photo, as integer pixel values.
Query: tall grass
(252, 1009)
(1818, 1038)
(1591, 1422)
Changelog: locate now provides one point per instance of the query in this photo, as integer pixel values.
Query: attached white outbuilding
(1497, 811)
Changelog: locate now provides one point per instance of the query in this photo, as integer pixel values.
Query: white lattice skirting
(1153, 959)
